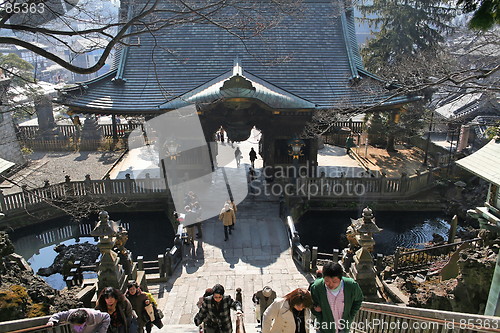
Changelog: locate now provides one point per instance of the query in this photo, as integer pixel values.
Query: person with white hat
(262, 299)
(228, 218)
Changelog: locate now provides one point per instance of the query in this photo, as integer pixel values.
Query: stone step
(249, 328)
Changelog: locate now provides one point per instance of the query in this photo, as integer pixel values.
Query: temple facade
(274, 80)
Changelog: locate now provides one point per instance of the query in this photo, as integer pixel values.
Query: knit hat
(267, 291)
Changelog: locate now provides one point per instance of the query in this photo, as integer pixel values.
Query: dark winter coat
(217, 315)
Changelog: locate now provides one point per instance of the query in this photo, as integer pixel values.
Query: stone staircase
(257, 254)
(249, 328)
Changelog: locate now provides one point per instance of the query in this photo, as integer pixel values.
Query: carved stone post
(110, 273)
(362, 270)
(87, 185)
(3, 206)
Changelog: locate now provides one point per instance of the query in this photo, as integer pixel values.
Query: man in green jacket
(336, 300)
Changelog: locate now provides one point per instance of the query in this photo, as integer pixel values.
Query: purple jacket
(96, 322)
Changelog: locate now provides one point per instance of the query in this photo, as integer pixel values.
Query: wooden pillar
(453, 230)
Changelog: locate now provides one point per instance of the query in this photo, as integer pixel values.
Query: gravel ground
(54, 166)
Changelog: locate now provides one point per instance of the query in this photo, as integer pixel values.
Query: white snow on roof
(447, 110)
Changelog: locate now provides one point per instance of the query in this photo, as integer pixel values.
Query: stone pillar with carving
(111, 272)
(47, 129)
(362, 269)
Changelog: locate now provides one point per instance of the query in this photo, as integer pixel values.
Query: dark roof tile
(316, 64)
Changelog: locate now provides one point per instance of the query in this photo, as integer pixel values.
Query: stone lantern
(110, 273)
(362, 269)
(365, 228)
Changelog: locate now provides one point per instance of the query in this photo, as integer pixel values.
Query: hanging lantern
(295, 148)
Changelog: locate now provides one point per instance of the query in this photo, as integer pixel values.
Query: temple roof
(484, 162)
(319, 67)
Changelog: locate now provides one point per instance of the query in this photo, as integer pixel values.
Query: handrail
(33, 329)
(37, 324)
(377, 317)
(301, 254)
(240, 325)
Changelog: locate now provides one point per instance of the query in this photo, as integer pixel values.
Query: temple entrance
(247, 119)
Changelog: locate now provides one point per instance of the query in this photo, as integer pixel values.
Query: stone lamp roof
(485, 162)
(319, 67)
(368, 227)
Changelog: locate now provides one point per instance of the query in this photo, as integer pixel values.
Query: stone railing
(300, 253)
(376, 188)
(166, 263)
(376, 317)
(371, 318)
(414, 260)
(355, 126)
(107, 188)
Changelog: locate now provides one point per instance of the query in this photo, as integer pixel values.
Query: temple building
(274, 80)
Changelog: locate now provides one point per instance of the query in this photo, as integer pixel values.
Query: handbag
(159, 313)
(158, 316)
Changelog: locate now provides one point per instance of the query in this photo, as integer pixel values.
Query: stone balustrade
(376, 317)
(107, 188)
(372, 187)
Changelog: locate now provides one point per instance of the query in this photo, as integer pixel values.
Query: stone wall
(10, 149)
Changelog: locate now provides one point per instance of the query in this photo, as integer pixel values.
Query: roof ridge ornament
(237, 68)
(237, 81)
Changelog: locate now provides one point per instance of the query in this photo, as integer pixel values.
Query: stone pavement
(54, 166)
(257, 254)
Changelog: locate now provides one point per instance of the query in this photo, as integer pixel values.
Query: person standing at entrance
(227, 217)
(237, 156)
(253, 157)
(221, 135)
(336, 299)
(215, 312)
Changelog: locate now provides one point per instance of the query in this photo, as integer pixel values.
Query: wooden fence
(30, 132)
(415, 260)
(70, 138)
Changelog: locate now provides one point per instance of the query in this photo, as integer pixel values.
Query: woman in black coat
(113, 302)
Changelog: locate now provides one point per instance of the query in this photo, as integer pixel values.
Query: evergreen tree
(407, 28)
(377, 134)
(486, 13)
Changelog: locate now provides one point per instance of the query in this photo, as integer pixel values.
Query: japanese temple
(274, 80)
